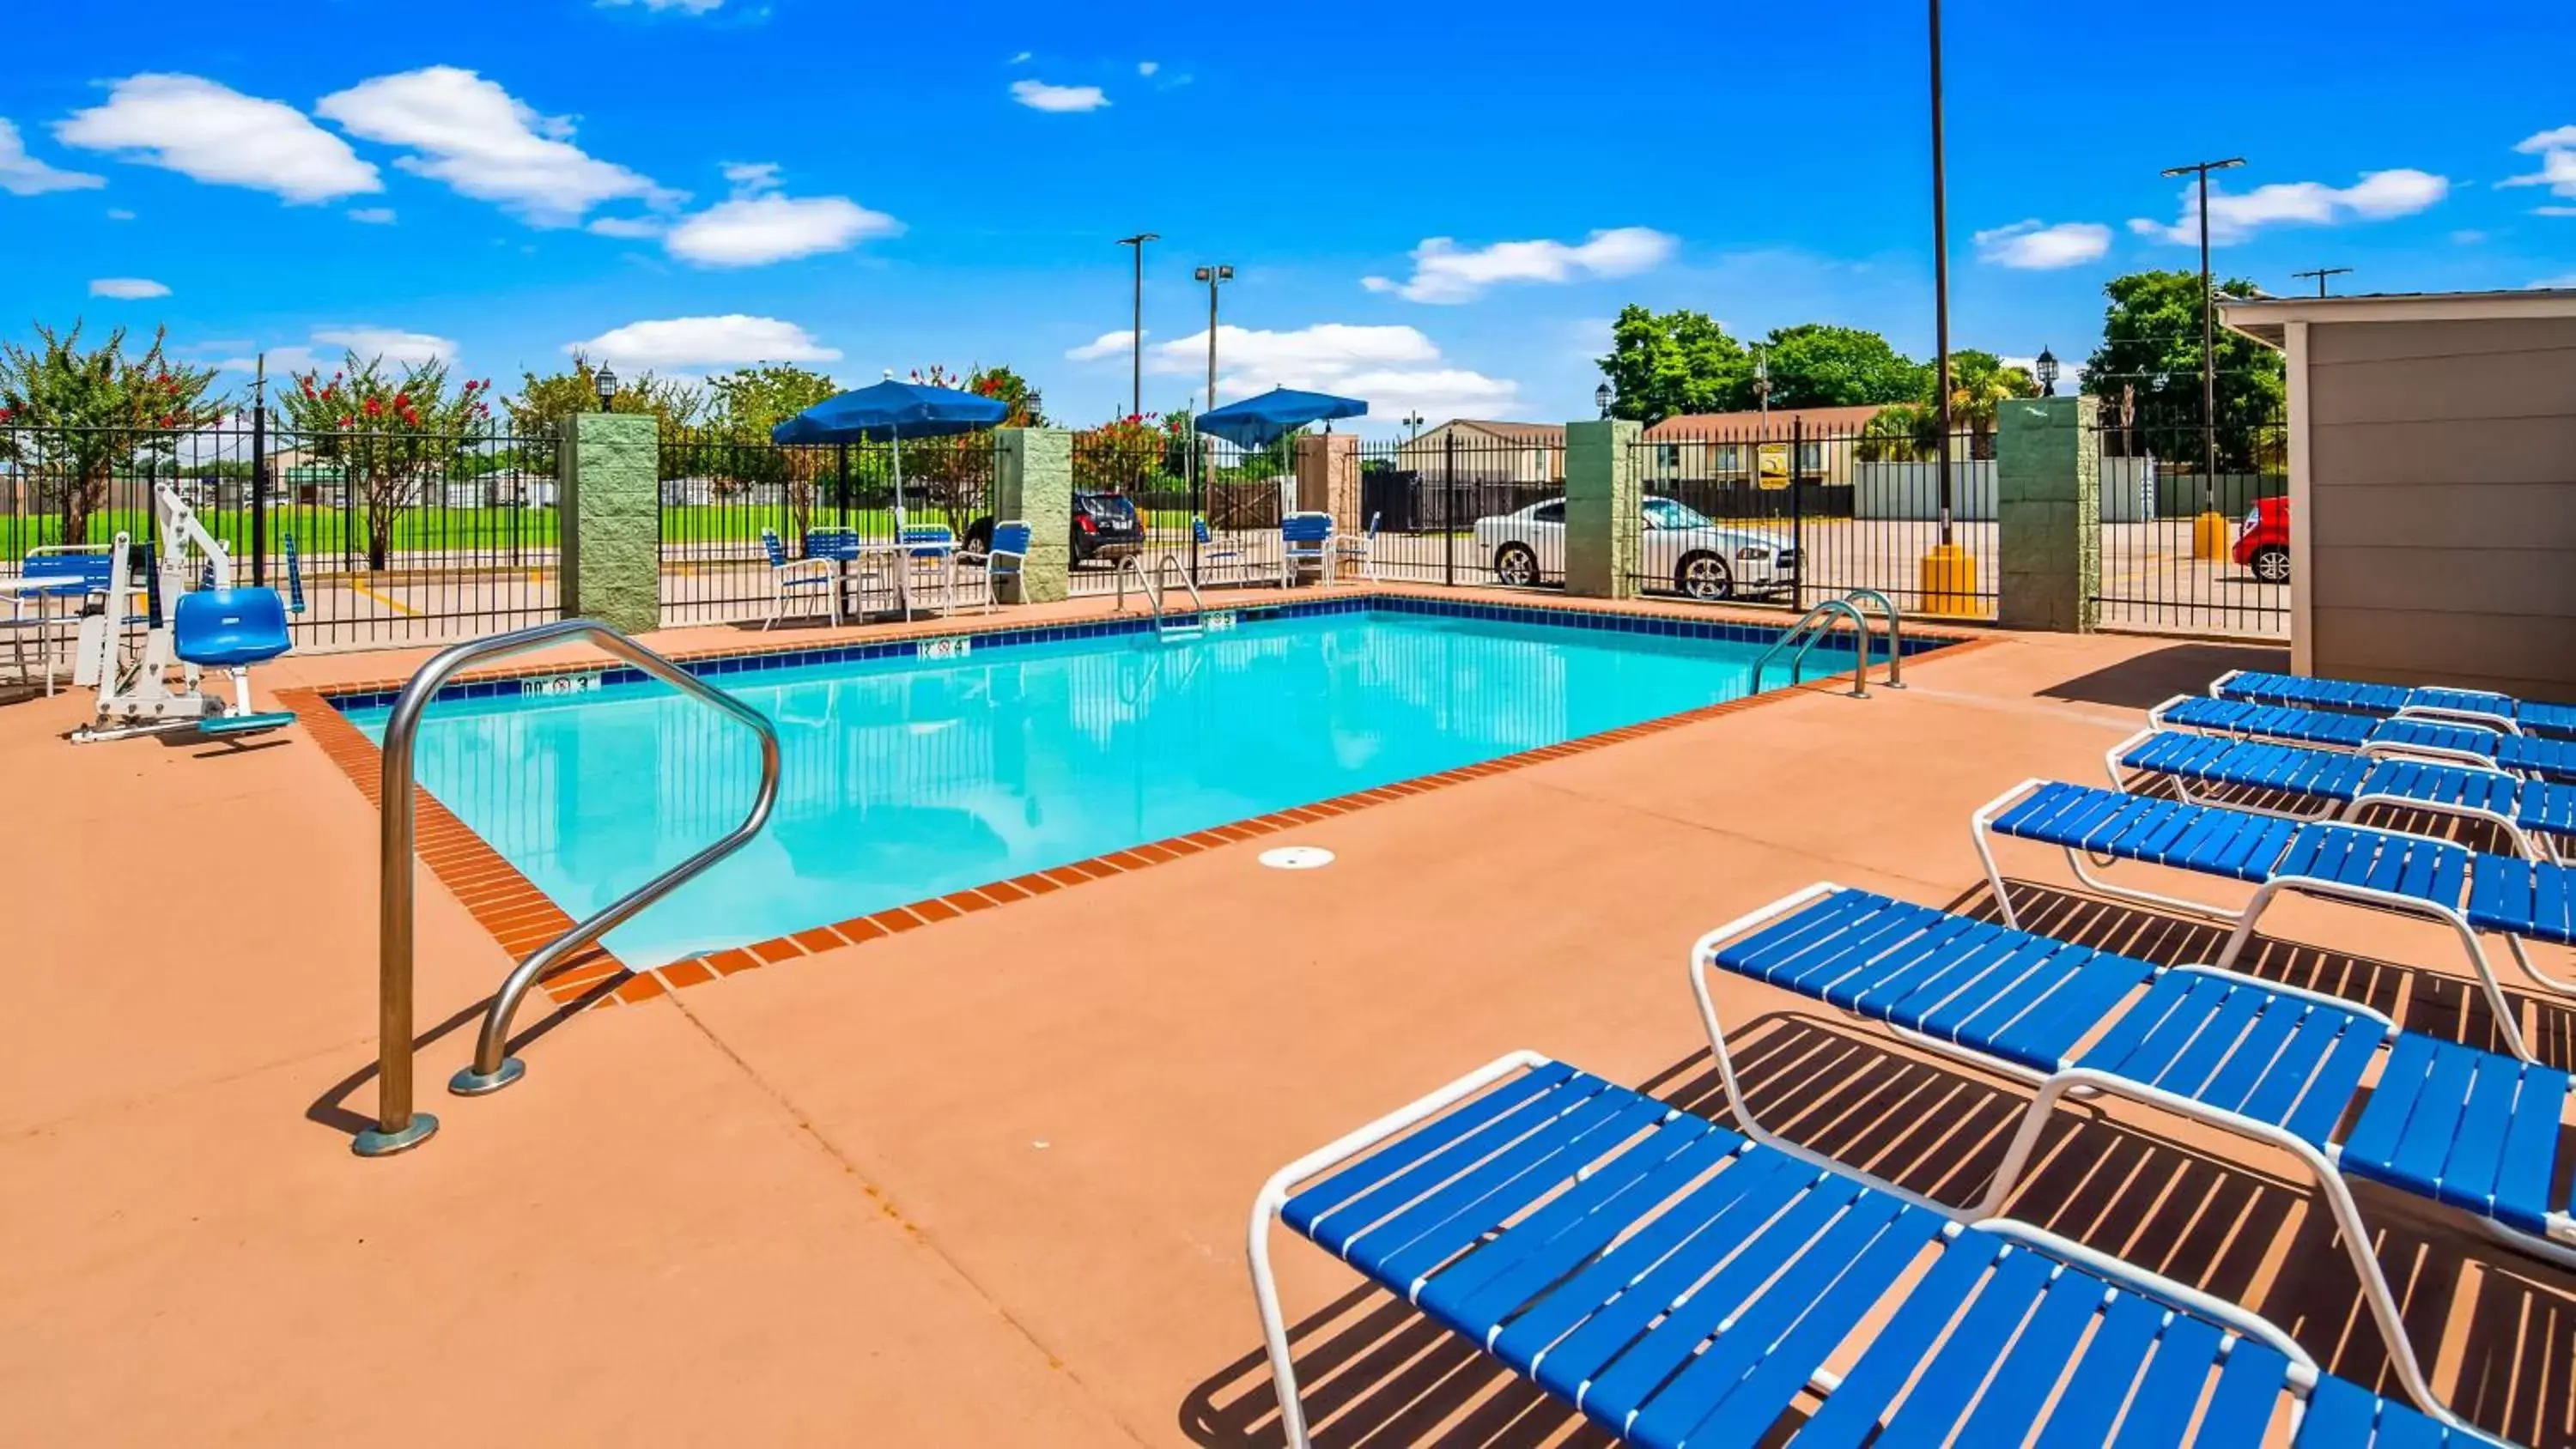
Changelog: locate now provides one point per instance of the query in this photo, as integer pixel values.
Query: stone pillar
(609, 521)
(1603, 509)
(2048, 504)
(1328, 478)
(1033, 484)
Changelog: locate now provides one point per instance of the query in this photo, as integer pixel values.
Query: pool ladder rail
(398, 1128)
(1156, 588)
(1818, 622)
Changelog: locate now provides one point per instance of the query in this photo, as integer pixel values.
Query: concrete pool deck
(985, 1183)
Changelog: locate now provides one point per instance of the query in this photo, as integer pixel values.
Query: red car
(2263, 540)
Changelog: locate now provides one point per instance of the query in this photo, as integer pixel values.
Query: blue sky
(1436, 205)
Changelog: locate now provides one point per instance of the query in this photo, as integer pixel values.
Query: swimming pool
(919, 768)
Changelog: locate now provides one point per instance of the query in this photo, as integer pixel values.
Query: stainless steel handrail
(1895, 633)
(398, 1127)
(1162, 570)
(1129, 565)
(1811, 627)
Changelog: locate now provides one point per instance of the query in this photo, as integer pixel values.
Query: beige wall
(2441, 508)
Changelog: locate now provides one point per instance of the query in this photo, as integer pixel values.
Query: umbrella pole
(902, 556)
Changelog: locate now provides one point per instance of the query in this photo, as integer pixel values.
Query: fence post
(2048, 506)
(1449, 504)
(610, 519)
(1033, 484)
(1603, 503)
(259, 476)
(1797, 510)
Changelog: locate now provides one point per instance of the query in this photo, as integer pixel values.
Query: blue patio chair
(2470, 891)
(67, 574)
(294, 576)
(1305, 541)
(1361, 551)
(928, 548)
(2534, 814)
(1681, 1285)
(1211, 557)
(790, 579)
(2271, 1063)
(2429, 737)
(1003, 558)
(2469, 706)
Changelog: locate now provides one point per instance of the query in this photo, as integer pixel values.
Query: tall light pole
(1136, 333)
(1413, 420)
(2209, 532)
(1947, 584)
(2321, 274)
(1762, 383)
(1215, 277)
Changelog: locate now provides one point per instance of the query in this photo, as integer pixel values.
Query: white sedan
(1681, 548)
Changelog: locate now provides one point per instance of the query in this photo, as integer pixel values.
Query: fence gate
(2157, 479)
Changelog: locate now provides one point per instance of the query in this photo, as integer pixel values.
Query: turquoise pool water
(907, 778)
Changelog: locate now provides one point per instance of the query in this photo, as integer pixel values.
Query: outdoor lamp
(2046, 370)
(606, 381)
(1603, 396)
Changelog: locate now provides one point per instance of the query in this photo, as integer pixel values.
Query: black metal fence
(727, 497)
(391, 536)
(1796, 514)
(1448, 506)
(2162, 569)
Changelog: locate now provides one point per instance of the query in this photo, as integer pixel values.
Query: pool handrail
(1895, 632)
(1813, 625)
(399, 1128)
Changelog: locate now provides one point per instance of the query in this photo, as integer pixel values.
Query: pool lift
(213, 626)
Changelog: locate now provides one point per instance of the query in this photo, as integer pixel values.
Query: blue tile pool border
(714, 664)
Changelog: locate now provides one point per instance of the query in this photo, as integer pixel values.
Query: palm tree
(1980, 384)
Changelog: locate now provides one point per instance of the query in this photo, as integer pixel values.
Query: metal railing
(398, 1127)
(1812, 626)
(1157, 587)
(1895, 633)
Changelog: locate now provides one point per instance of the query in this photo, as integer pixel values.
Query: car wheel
(1515, 565)
(979, 536)
(1704, 576)
(2272, 564)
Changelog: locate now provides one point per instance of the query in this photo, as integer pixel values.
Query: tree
(1816, 365)
(743, 405)
(1664, 363)
(73, 418)
(2150, 351)
(1122, 455)
(544, 401)
(748, 401)
(1980, 384)
(393, 439)
(955, 474)
(1900, 433)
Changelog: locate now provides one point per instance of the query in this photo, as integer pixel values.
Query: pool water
(907, 778)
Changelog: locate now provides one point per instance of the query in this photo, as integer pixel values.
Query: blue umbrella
(1257, 422)
(892, 411)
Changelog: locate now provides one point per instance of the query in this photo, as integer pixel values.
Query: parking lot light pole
(1136, 327)
(1215, 277)
(1948, 576)
(2209, 530)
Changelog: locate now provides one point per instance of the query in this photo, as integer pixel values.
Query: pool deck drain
(522, 918)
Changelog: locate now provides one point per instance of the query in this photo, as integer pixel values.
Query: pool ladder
(1816, 623)
(398, 1127)
(1156, 588)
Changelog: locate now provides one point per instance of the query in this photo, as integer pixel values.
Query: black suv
(1105, 526)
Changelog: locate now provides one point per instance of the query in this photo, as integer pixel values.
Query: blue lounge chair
(789, 579)
(2474, 706)
(1004, 556)
(2335, 784)
(2268, 1062)
(1305, 541)
(2468, 890)
(1680, 1285)
(2536, 756)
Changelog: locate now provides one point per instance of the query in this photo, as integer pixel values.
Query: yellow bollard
(1949, 581)
(2211, 538)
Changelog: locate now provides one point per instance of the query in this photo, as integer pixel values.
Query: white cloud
(685, 7)
(1148, 67)
(2377, 196)
(486, 143)
(213, 133)
(24, 175)
(2036, 246)
(127, 289)
(390, 343)
(727, 341)
(1022, 57)
(2567, 282)
(1037, 95)
(759, 225)
(2557, 152)
(2554, 211)
(626, 226)
(373, 215)
(118, 213)
(1443, 272)
(2467, 237)
(1396, 369)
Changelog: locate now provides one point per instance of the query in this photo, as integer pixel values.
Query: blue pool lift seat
(229, 628)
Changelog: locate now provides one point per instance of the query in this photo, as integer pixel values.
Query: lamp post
(2209, 530)
(2045, 369)
(605, 381)
(1215, 277)
(1136, 327)
(1413, 420)
(1762, 383)
(2321, 274)
(1602, 397)
(1949, 575)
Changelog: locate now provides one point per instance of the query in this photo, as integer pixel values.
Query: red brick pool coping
(523, 918)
